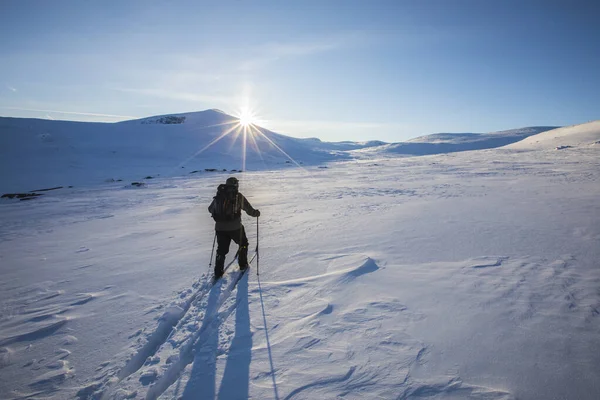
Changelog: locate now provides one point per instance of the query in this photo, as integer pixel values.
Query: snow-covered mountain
(468, 275)
(38, 154)
(43, 153)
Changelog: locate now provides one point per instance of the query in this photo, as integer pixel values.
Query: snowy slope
(464, 275)
(571, 136)
(453, 142)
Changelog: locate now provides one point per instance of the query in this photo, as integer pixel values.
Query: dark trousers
(224, 239)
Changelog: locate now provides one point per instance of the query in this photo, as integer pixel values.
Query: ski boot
(219, 266)
(243, 258)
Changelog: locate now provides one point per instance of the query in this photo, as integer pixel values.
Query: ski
(216, 279)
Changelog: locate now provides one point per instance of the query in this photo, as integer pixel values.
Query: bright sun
(247, 117)
(247, 126)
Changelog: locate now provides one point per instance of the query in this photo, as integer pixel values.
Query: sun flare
(247, 128)
(247, 118)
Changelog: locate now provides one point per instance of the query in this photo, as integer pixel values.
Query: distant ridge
(454, 142)
(587, 134)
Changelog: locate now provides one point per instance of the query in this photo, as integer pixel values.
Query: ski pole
(212, 252)
(257, 254)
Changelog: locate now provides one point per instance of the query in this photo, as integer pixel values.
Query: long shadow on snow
(201, 384)
(236, 377)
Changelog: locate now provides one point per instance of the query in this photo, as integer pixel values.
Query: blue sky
(337, 70)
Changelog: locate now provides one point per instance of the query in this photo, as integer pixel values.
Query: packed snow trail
(185, 340)
(212, 320)
(170, 322)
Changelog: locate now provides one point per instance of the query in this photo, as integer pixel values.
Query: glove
(257, 214)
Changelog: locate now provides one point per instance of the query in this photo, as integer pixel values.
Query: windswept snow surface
(464, 275)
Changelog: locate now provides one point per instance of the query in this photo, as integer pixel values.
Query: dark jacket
(241, 204)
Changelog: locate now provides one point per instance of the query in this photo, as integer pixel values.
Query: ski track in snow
(171, 321)
(213, 318)
(170, 348)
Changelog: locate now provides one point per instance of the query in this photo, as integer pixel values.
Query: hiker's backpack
(225, 205)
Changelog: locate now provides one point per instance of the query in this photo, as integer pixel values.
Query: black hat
(232, 181)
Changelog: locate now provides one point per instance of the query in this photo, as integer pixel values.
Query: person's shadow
(236, 377)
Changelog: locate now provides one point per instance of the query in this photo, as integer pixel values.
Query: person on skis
(226, 209)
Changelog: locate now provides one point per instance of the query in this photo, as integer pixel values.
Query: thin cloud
(342, 130)
(12, 89)
(70, 112)
(300, 49)
(179, 95)
(313, 126)
(272, 52)
(390, 131)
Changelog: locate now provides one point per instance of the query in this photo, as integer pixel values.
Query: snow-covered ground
(461, 275)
